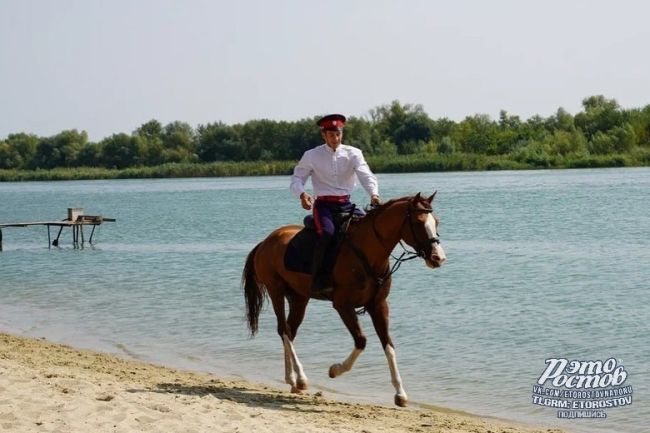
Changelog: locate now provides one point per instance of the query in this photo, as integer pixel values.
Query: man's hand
(306, 201)
(375, 200)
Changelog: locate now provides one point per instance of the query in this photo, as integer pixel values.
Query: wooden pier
(76, 221)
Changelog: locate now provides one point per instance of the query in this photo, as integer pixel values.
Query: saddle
(300, 250)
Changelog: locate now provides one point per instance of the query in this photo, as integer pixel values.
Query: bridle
(420, 247)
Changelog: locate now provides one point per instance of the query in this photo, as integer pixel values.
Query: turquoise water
(540, 264)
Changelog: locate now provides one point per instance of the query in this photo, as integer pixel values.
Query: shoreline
(46, 386)
(404, 164)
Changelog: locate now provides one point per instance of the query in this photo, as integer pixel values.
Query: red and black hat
(331, 122)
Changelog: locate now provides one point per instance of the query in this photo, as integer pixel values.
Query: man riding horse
(332, 167)
(362, 276)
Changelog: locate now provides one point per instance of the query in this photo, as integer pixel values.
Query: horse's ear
(417, 197)
(432, 196)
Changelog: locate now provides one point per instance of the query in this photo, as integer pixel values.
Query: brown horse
(361, 278)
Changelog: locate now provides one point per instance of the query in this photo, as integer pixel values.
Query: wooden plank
(57, 223)
(77, 227)
(38, 223)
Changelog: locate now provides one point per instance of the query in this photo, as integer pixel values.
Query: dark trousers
(325, 213)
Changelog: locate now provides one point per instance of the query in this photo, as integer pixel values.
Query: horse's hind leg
(349, 317)
(297, 307)
(379, 314)
(293, 371)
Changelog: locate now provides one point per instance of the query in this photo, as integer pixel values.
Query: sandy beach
(46, 387)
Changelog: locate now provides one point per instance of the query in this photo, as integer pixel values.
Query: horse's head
(420, 230)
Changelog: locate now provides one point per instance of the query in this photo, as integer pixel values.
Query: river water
(541, 264)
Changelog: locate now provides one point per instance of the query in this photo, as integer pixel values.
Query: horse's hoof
(302, 385)
(401, 401)
(296, 390)
(334, 370)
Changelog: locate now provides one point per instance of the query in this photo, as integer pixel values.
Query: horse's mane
(380, 208)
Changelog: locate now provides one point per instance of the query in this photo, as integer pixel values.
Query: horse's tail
(254, 292)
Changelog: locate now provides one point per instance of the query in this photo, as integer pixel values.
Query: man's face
(333, 138)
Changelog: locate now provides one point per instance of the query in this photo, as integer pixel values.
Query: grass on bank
(379, 164)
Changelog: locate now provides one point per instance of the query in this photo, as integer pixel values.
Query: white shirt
(333, 171)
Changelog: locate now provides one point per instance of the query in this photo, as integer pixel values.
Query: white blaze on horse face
(432, 231)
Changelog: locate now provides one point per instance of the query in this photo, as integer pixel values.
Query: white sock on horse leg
(394, 374)
(339, 369)
(289, 374)
(297, 369)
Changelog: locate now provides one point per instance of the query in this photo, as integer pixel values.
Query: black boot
(321, 283)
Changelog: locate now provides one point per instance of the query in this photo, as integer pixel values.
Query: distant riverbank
(392, 164)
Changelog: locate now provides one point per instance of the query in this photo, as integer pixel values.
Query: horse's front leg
(379, 314)
(349, 317)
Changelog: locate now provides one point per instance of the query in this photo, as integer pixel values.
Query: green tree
(60, 150)
(123, 150)
(18, 150)
(442, 128)
(446, 145)
(90, 155)
(601, 143)
(150, 130)
(639, 119)
(600, 115)
(178, 143)
(477, 134)
(8, 157)
(508, 122)
(219, 142)
(151, 134)
(563, 142)
(534, 129)
(360, 133)
(263, 137)
(562, 120)
(623, 138)
(407, 126)
(303, 135)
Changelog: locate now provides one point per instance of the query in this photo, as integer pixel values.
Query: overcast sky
(109, 66)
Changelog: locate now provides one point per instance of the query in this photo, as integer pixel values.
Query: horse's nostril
(437, 259)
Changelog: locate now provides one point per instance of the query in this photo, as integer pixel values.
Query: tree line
(603, 127)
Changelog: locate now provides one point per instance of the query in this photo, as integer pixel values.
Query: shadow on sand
(260, 399)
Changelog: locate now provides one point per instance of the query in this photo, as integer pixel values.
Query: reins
(404, 257)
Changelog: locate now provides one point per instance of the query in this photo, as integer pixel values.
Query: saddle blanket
(300, 251)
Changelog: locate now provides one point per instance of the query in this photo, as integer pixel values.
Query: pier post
(0, 239)
(55, 243)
